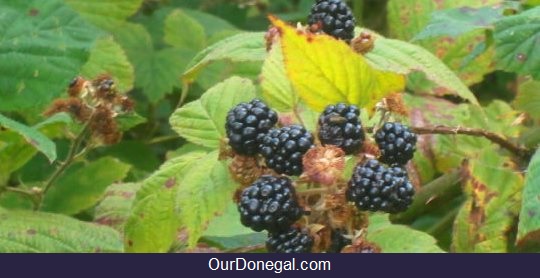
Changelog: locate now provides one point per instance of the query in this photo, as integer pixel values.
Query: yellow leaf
(324, 70)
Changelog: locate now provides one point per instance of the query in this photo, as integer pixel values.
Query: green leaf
(399, 238)
(277, 89)
(528, 98)
(16, 150)
(205, 190)
(493, 193)
(455, 22)
(144, 158)
(408, 18)
(53, 126)
(32, 136)
(157, 71)
(44, 45)
(154, 221)
(529, 222)
(82, 187)
(129, 120)
(202, 121)
(516, 43)
(245, 47)
(213, 26)
(40, 232)
(181, 30)
(186, 192)
(226, 231)
(402, 57)
(104, 13)
(115, 208)
(107, 57)
(15, 201)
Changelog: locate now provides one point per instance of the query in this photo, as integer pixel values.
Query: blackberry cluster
(339, 125)
(269, 204)
(338, 241)
(246, 125)
(294, 240)
(284, 147)
(335, 18)
(396, 142)
(375, 187)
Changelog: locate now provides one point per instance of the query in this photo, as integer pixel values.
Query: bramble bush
(269, 126)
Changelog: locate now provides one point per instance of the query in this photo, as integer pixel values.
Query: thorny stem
(478, 132)
(70, 158)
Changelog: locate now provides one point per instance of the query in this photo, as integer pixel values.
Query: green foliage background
(185, 63)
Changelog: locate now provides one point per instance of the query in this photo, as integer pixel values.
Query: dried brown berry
(324, 164)
(73, 106)
(361, 245)
(245, 169)
(104, 126)
(76, 86)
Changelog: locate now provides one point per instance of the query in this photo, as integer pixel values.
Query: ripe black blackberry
(338, 241)
(246, 125)
(269, 204)
(396, 142)
(294, 240)
(339, 125)
(335, 18)
(284, 147)
(375, 187)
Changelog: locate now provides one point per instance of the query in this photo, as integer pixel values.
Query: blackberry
(339, 126)
(396, 142)
(375, 187)
(334, 17)
(283, 149)
(338, 241)
(269, 204)
(294, 240)
(246, 125)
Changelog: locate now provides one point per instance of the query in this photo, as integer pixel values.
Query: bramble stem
(70, 158)
(478, 132)
(446, 186)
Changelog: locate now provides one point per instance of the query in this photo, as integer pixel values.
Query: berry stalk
(496, 138)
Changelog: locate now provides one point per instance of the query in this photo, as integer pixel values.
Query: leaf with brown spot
(115, 207)
(156, 231)
(324, 70)
(408, 18)
(493, 199)
(41, 232)
(517, 38)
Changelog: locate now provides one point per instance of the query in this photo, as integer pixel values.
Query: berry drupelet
(246, 125)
